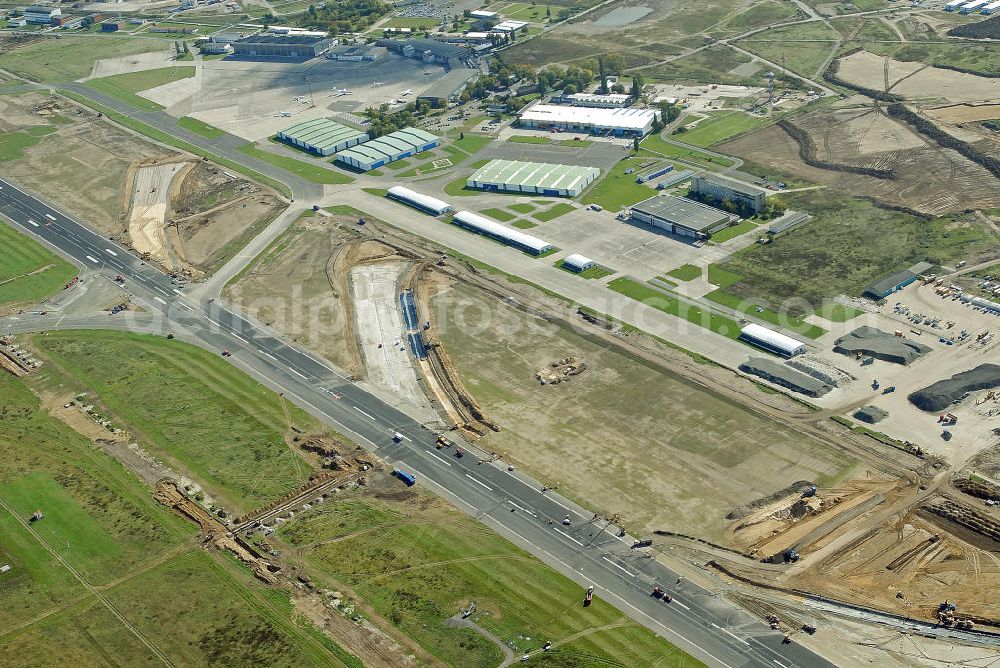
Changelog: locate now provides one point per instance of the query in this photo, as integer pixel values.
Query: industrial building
(720, 188)
(578, 263)
(508, 26)
(771, 341)
(389, 148)
(353, 53)
(894, 282)
(536, 178)
(970, 7)
(425, 203)
(428, 50)
(276, 45)
(511, 237)
(679, 215)
(322, 136)
(591, 120)
(990, 8)
(17, 22)
(448, 87)
(952, 5)
(483, 15)
(41, 15)
(610, 101)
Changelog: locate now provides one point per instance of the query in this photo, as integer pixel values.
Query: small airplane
(378, 84)
(406, 92)
(283, 114)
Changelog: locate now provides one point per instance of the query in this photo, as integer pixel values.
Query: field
(499, 214)
(657, 145)
(12, 144)
(125, 86)
(417, 562)
(800, 48)
(715, 65)
(28, 271)
(200, 127)
(192, 409)
(553, 212)
(685, 272)
(720, 127)
(71, 58)
(308, 171)
(781, 319)
(618, 189)
(717, 323)
(680, 474)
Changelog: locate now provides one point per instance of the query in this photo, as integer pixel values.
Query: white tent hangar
(771, 341)
(485, 226)
(425, 203)
(578, 262)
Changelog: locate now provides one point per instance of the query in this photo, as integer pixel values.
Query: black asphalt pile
(944, 393)
(876, 343)
(783, 375)
(871, 414)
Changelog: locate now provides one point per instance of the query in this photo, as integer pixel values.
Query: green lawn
(553, 212)
(523, 224)
(658, 145)
(733, 231)
(457, 188)
(722, 277)
(781, 319)
(499, 214)
(71, 57)
(125, 86)
(838, 312)
(717, 323)
(470, 144)
(529, 139)
(308, 171)
(685, 272)
(378, 192)
(12, 144)
(594, 272)
(29, 272)
(618, 189)
(522, 207)
(200, 127)
(191, 408)
(720, 127)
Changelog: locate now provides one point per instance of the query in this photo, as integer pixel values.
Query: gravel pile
(876, 343)
(944, 393)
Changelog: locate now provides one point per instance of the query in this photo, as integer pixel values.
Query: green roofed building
(534, 178)
(322, 136)
(388, 148)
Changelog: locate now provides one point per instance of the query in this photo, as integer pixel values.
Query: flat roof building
(719, 188)
(576, 262)
(598, 121)
(41, 15)
(536, 178)
(353, 53)
(509, 26)
(519, 240)
(322, 136)
(679, 215)
(448, 87)
(771, 341)
(610, 101)
(425, 203)
(274, 45)
(894, 282)
(388, 148)
(483, 14)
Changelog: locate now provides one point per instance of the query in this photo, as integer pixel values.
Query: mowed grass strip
(721, 127)
(783, 320)
(190, 407)
(125, 86)
(733, 231)
(553, 212)
(28, 271)
(685, 272)
(310, 172)
(499, 214)
(200, 127)
(719, 324)
(618, 189)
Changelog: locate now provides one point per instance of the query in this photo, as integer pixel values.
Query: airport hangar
(682, 216)
(388, 148)
(270, 45)
(322, 136)
(533, 178)
(625, 122)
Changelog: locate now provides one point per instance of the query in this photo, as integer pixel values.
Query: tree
(637, 86)
(618, 88)
(603, 75)
(669, 111)
(635, 144)
(548, 12)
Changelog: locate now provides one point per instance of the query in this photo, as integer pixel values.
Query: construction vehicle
(809, 628)
(657, 593)
(588, 598)
(35, 516)
(469, 610)
(408, 478)
(875, 384)
(948, 419)
(889, 390)
(791, 555)
(773, 620)
(226, 353)
(809, 492)
(443, 442)
(459, 453)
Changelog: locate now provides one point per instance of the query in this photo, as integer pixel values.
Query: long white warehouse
(519, 240)
(973, 6)
(425, 203)
(952, 5)
(990, 8)
(592, 120)
(771, 341)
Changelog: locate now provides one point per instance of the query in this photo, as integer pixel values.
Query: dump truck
(405, 476)
(443, 442)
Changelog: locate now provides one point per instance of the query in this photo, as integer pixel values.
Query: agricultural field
(719, 454)
(69, 57)
(417, 562)
(28, 271)
(125, 86)
(199, 414)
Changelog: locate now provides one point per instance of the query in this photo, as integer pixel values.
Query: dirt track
(150, 202)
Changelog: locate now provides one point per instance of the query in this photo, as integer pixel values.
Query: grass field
(618, 189)
(425, 561)
(308, 171)
(975, 56)
(553, 212)
(524, 224)
(522, 207)
(28, 271)
(656, 144)
(200, 127)
(12, 144)
(720, 127)
(70, 58)
(672, 306)
(801, 48)
(191, 408)
(714, 64)
(457, 188)
(592, 273)
(685, 272)
(499, 214)
(529, 139)
(762, 14)
(781, 319)
(733, 231)
(125, 86)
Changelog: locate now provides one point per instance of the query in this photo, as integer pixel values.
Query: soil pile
(944, 393)
(878, 344)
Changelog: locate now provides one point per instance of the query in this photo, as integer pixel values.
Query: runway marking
(621, 568)
(160, 300)
(439, 457)
(731, 634)
(676, 602)
(300, 375)
(110, 252)
(177, 291)
(185, 307)
(241, 338)
(520, 507)
(50, 217)
(93, 259)
(478, 482)
(570, 537)
(367, 415)
(264, 352)
(33, 222)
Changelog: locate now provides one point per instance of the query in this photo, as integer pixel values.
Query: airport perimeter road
(702, 624)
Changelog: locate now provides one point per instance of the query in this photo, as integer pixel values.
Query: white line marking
(779, 663)
(177, 291)
(110, 252)
(729, 633)
(300, 375)
(676, 602)
(439, 457)
(50, 217)
(93, 259)
(160, 300)
(241, 338)
(185, 307)
(478, 482)
(621, 568)
(33, 222)
(570, 537)
(367, 415)
(520, 507)
(264, 352)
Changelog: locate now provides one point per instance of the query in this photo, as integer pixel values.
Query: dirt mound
(878, 344)
(779, 374)
(990, 28)
(871, 414)
(797, 487)
(944, 393)
(978, 488)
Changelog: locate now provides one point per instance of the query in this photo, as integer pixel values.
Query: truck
(396, 437)
(443, 442)
(405, 476)
(588, 598)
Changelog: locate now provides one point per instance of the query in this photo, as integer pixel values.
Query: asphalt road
(697, 621)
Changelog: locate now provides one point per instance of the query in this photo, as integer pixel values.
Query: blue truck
(408, 478)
